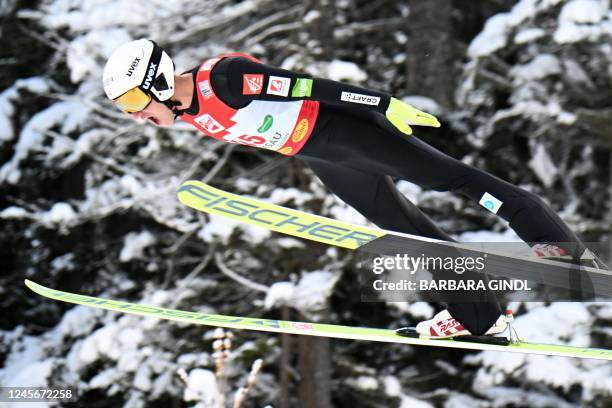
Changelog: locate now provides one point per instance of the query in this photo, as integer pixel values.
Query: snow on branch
(240, 279)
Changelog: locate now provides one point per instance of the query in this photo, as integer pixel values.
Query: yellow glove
(402, 115)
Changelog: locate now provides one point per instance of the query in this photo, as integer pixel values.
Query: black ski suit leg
(358, 143)
(369, 143)
(376, 198)
(413, 160)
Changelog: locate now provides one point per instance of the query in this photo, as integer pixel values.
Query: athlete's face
(157, 113)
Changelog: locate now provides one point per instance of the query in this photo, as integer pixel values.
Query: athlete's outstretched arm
(293, 86)
(245, 80)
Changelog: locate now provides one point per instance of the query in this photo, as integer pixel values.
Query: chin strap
(173, 106)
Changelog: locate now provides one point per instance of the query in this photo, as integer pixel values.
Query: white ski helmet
(139, 64)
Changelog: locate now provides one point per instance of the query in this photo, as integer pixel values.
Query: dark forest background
(87, 196)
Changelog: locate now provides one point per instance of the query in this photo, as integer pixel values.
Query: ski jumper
(356, 152)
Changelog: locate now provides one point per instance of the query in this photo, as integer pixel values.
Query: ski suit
(357, 153)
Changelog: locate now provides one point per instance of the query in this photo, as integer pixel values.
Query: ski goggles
(134, 100)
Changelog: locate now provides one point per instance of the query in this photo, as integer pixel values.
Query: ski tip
(187, 183)
(35, 287)
(186, 187)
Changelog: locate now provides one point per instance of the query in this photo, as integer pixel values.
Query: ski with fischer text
(205, 198)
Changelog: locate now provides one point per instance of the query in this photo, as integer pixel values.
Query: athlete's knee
(528, 205)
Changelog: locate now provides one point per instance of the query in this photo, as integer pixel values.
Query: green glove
(402, 115)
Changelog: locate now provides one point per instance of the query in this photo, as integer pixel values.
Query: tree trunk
(322, 28)
(608, 258)
(315, 372)
(431, 49)
(285, 362)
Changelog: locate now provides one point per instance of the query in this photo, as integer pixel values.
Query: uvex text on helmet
(140, 63)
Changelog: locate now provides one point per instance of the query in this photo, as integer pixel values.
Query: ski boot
(444, 326)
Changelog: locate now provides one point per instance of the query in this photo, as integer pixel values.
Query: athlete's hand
(402, 115)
